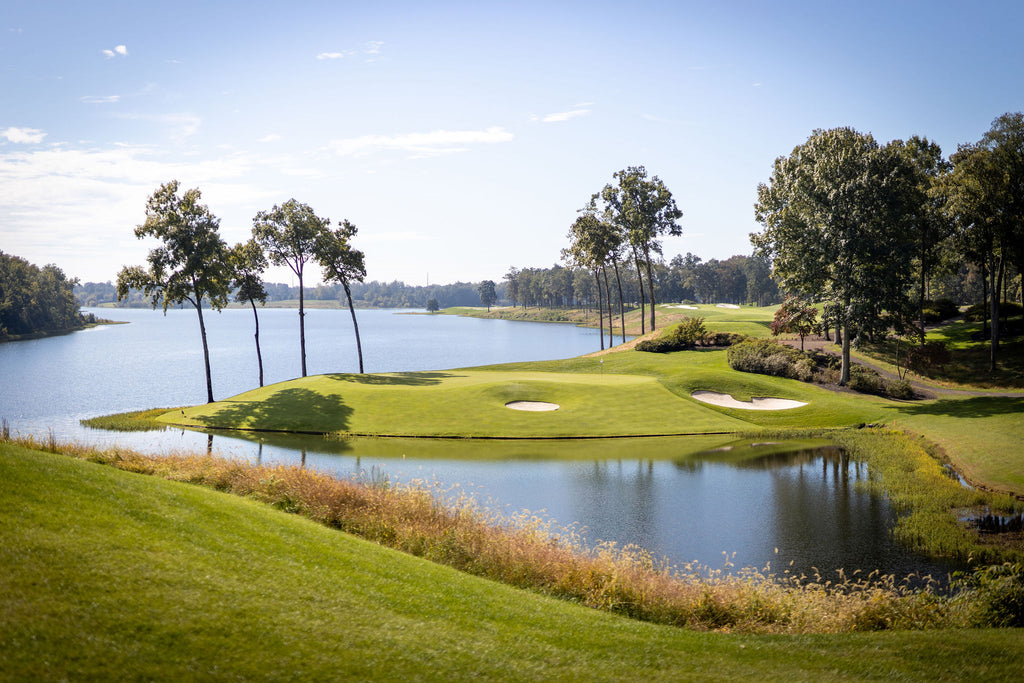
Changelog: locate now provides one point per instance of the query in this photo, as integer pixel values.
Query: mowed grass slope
(111, 575)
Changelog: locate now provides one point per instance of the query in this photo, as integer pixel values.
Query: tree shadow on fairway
(293, 409)
(979, 406)
(409, 379)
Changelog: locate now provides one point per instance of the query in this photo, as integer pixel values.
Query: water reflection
(792, 506)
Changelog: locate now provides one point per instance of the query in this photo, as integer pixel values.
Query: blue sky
(460, 137)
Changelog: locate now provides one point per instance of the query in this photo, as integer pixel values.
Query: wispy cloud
(119, 51)
(100, 99)
(420, 145)
(581, 109)
(23, 135)
(273, 137)
(182, 125)
(371, 48)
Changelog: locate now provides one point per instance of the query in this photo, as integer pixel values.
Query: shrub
(866, 381)
(937, 311)
(995, 594)
(764, 356)
(978, 312)
(686, 335)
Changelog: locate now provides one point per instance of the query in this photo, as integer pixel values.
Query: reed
(528, 552)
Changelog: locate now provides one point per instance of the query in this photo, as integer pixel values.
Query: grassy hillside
(107, 574)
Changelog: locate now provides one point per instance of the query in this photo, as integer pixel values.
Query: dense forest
(36, 300)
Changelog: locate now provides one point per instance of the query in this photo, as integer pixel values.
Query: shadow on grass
(308, 407)
(409, 379)
(979, 406)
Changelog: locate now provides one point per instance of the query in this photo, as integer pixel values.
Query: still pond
(707, 500)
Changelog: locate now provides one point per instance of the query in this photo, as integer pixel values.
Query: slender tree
(191, 265)
(644, 210)
(288, 234)
(345, 265)
(247, 265)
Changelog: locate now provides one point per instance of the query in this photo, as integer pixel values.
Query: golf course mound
(755, 403)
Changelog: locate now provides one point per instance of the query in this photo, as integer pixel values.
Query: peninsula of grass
(108, 574)
(623, 394)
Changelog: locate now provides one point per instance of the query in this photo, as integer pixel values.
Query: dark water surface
(701, 499)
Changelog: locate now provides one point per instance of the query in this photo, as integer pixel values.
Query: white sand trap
(532, 406)
(686, 306)
(726, 306)
(727, 401)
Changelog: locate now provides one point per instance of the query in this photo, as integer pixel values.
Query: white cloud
(421, 144)
(119, 51)
(100, 99)
(23, 135)
(334, 55)
(558, 117)
(273, 137)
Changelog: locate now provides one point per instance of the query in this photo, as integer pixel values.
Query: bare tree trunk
(650, 286)
(640, 286)
(622, 311)
(355, 325)
(198, 303)
(302, 324)
(844, 373)
(600, 308)
(608, 301)
(996, 273)
(259, 356)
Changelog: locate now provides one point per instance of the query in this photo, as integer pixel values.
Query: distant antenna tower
(428, 279)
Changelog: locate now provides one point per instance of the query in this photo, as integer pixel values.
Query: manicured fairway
(464, 403)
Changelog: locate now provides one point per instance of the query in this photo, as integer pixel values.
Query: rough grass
(524, 552)
(108, 575)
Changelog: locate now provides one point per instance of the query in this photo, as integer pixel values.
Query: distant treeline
(364, 294)
(684, 279)
(36, 300)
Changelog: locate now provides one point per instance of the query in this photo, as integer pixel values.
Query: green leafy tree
(345, 265)
(192, 263)
(34, 299)
(644, 210)
(795, 316)
(288, 234)
(247, 265)
(487, 293)
(984, 197)
(835, 213)
(432, 305)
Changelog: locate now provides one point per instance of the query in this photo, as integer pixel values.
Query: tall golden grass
(530, 553)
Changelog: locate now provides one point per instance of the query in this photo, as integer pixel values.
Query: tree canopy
(192, 264)
(289, 234)
(34, 299)
(836, 213)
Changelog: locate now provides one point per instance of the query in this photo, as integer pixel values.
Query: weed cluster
(528, 552)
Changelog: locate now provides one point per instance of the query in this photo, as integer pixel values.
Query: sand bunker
(533, 406)
(727, 401)
(686, 306)
(726, 306)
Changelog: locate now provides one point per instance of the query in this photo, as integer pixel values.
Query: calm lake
(687, 499)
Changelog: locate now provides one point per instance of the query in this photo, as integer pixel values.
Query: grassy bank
(110, 574)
